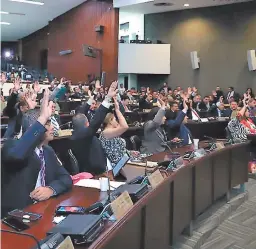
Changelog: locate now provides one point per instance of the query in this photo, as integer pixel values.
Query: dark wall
(70, 31)
(13, 47)
(33, 45)
(222, 35)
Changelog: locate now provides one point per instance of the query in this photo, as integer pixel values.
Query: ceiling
(36, 16)
(149, 7)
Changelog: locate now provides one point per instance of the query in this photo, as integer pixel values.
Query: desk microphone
(210, 138)
(25, 235)
(68, 123)
(165, 142)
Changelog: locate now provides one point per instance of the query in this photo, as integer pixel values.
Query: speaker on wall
(65, 52)
(195, 61)
(251, 58)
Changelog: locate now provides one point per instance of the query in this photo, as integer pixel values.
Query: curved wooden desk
(159, 217)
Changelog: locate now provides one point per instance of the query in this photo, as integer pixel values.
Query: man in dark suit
(123, 105)
(84, 144)
(31, 171)
(177, 127)
(220, 111)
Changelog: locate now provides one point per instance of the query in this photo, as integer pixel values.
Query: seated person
(155, 139)
(85, 146)
(123, 105)
(55, 120)
(31, 170)
(220, 110)
(242, 125)
(113, 127)
(205, 105)
(252, 109)
(232, 111)
(146, 102)
(176, 127)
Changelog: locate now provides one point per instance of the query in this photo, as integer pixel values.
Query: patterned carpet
(238, 231)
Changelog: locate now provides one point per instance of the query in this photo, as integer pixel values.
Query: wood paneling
(32, 46)
(70, 31)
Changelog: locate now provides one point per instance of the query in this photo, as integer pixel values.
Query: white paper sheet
(91, 183)
(149, 164)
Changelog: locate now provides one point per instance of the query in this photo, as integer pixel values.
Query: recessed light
(28, 1)
(186, 5)
(5, 23)
(4, 12)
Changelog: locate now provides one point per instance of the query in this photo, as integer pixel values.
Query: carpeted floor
(239, 230)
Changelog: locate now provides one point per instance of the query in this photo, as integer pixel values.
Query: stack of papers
(91, 183)
(143, 164)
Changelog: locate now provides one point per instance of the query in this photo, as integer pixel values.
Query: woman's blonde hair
(107, 119)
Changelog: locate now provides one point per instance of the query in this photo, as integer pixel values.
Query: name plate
(121, 205)
(155, 178)
(65, 133)
(66, 244)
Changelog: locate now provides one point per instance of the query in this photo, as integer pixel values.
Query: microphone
(164, 142)
(68, 123)
(25, 235)
(210, 138)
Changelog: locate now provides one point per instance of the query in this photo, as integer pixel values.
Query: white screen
(144, 58)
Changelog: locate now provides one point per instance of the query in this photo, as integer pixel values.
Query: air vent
(163, 4)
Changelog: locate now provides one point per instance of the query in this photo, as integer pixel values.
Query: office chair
(74, 167)
(136, 142)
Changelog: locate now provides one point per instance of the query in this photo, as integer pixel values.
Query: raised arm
(19, 150)
(158, 119)
(122, 127)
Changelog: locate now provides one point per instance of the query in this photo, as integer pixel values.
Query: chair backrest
(136, 142)
(74, 163)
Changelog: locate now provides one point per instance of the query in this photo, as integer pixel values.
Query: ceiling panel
(36, 16)
(171, 5)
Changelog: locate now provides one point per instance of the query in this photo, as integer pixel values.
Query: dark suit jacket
(21, 166)
(15, 117)
(143, 104)
(87, 148)
(178, 129)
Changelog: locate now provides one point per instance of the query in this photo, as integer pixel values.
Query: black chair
(74, 167)
(136, 142)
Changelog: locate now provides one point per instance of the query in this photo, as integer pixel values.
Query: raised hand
(116, 103)
(97, 85)
(16, 84)
(161, 102)
(112, 90)
(36, 87)
(30, 100)
(46, 108)
(185, 106)
(89, 93)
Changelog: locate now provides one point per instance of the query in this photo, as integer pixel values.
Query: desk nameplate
(155, 178)
(121, 205)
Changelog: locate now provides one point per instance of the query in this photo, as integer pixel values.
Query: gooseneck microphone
(25, 235)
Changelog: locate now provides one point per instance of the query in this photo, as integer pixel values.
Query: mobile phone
(15, 223)
(64, 210)
(20, 213)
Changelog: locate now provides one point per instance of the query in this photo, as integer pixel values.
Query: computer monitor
(122, 162)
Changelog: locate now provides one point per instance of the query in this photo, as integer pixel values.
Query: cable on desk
(24, 234)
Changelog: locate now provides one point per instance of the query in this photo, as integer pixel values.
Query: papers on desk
(143, 164)
(91, 183)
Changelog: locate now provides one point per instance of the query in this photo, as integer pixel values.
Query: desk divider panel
(239, 164)
(129, 235)
(158, 222)
(221, 173)
(203, 178)
(182, 200)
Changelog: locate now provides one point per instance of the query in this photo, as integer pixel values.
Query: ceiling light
(5, 23)
(28, 1)
(7, 54)
(186, 5)
(4, 12)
